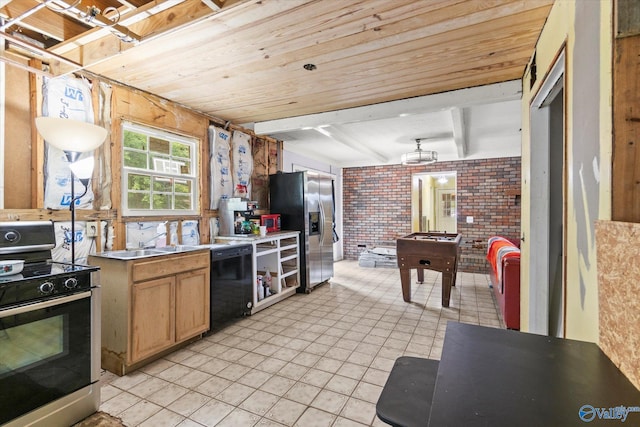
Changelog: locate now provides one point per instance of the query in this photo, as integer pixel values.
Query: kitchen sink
(178, 248)
(144, 253)
(139, 253)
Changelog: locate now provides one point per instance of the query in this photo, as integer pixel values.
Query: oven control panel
(23, 291)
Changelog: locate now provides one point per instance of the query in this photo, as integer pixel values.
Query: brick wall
(377, 205)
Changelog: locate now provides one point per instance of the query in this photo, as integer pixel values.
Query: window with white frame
(159, 172)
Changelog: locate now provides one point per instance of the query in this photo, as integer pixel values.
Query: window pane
(182, 186)
(183, 202)
(162, 185)
(161, 201)
(159, 171)
(181, 150)
(139, 182)
(157, 145)
(165, 165)
(138, 200)
(185, 168)
(135, 140)
(135, 159)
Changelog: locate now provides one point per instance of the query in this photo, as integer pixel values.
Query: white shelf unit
(277, 252)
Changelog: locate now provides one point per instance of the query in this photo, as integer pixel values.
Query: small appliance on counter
(271, 221)
(237, 217)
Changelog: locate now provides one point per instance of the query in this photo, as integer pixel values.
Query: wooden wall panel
(275, 156)
(153, 111)
(17, 170)
(146, 109)
(102, 182)
(626, 130)
(618, 250)
(260, 175)
(267, 156)
(24, 178)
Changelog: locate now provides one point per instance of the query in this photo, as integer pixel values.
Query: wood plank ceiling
(244, 60)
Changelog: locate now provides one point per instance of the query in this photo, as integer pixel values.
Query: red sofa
(503, 256)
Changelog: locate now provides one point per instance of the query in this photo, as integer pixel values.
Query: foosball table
(433, 251)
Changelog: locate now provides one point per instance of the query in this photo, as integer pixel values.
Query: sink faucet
(142, 245)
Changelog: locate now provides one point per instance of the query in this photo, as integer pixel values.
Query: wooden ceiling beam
(214, 5)
(134, 3)
(98, 45)
(459, 131)
(45, 21)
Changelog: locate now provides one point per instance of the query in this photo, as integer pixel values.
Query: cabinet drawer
(165, 266)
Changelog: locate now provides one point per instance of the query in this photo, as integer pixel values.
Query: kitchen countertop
(251, 238)
(221, 241)
(131, 254)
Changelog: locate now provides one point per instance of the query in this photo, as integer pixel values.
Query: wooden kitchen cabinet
(150, 306)
(152, 317)
(192, 317)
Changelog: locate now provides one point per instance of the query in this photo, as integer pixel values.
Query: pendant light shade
(419, 156)
(71, 135)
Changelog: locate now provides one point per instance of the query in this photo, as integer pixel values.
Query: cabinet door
(152, 317)
(192, 303)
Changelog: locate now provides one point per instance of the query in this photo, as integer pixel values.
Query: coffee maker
(236, 216)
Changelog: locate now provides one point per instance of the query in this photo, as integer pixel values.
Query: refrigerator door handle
(321, 222)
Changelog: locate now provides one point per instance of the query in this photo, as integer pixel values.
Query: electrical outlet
(92, 229)
(469, 220)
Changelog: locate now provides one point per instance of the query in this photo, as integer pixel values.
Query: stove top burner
(41, 278)
(42, 270)
(44, 280)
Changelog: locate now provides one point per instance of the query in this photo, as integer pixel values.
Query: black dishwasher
(231, 282)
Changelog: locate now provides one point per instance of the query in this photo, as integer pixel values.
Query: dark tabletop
(496, 377)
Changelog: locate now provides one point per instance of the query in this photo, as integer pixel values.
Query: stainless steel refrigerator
(305, 202)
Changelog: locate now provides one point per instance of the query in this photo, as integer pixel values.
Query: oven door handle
(44, 304)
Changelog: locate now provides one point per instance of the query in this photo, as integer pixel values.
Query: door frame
(417, 190)
(540, 187)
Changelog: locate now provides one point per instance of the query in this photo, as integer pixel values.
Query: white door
(445, 207)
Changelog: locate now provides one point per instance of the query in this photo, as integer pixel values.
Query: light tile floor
(311, 360)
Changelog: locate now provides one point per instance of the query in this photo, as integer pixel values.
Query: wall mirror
(434, 202)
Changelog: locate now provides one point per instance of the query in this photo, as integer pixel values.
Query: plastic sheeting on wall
(220, 162)
(146, 234)
(83, 245)
(154, 234)
(103, 165)
(66, 97)
(242, 164)
(214, 228)
(190, 235)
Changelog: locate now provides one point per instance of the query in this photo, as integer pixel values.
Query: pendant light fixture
(419, 156)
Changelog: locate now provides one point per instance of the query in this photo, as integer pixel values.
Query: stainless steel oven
(49, 333)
